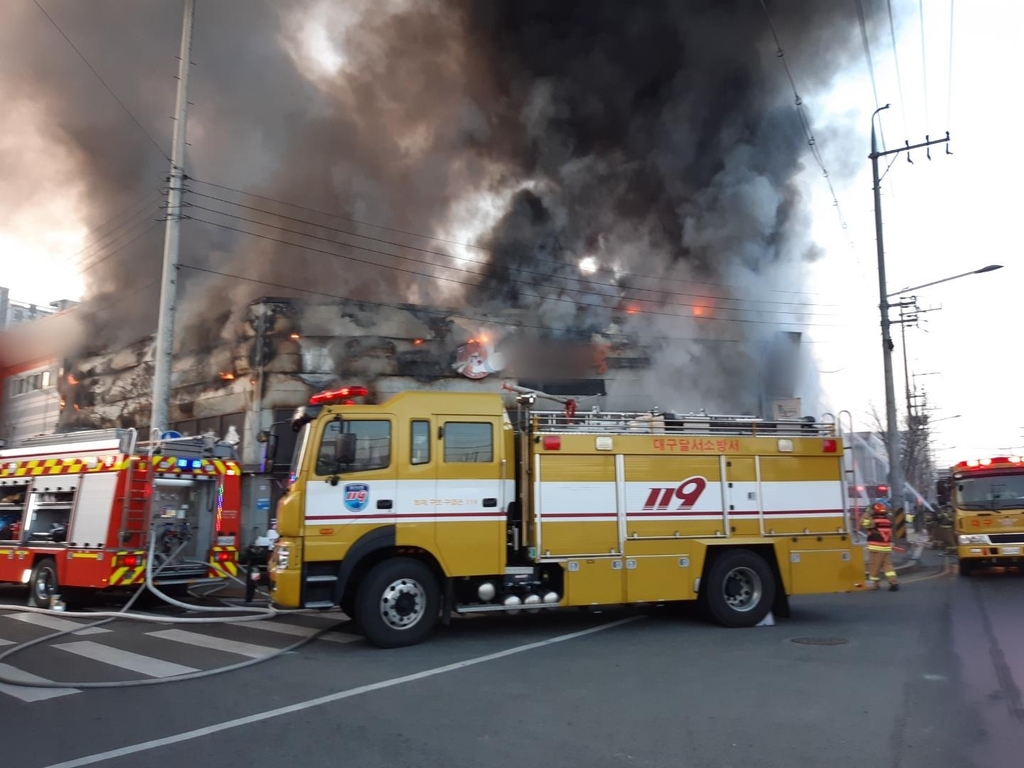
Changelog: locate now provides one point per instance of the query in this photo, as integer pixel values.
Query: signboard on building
(786, 408)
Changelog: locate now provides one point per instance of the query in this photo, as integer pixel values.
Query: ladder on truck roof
(650, 422)
(657, 422)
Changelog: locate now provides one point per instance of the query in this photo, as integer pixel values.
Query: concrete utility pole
(169, 282)
(896, 489)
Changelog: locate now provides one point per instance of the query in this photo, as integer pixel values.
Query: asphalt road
(929, 676)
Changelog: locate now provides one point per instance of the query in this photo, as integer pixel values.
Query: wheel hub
(403, 603)
(742, 589)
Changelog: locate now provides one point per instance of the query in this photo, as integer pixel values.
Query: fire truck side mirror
(345, 448)
(126, 445)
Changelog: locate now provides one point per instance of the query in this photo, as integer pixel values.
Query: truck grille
(1007, 538)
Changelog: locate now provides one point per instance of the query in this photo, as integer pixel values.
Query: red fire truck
(82, 511)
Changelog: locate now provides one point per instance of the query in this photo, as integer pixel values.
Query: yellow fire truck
(987, 496)
(432, 504)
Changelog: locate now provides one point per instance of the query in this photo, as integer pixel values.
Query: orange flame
(72, 380)
(631, 310)
(417, 342)
(294, 336)
(227, 376)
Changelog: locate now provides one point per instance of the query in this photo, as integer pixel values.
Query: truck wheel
(739, 589)
(43, 583)
(966, 568)
(398, 603)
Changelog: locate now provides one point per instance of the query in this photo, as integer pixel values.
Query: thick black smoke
(657, 138)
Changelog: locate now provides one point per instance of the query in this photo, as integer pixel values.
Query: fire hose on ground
(241, 615)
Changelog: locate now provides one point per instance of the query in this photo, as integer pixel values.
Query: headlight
(975, 538)
(281, 555)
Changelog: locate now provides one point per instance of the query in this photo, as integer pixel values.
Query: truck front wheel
(739, 588)
(398, 604)
(43, 583)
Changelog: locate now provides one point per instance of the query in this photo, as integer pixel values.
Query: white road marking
(214, 643)
(135, 662)
(54, 622)
(145, 746)
(298, 631)
(5, 642)
(30, 694)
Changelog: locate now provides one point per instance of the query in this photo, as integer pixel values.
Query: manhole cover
(820, 640)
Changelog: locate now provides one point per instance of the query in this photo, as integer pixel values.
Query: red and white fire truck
(82, 511)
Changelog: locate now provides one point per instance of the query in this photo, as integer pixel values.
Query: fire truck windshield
(300, 446)
(994, 492)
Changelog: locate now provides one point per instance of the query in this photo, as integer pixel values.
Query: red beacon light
(980, 463)
(341, 396)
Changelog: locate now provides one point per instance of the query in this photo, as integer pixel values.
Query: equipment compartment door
(674, 497)
(576, 502)
(594, 581)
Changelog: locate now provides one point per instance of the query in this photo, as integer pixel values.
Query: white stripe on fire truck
(133, 662)
(30, 694)
(61, 625)
(214, 643)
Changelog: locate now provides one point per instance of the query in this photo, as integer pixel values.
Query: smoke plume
(656, 142)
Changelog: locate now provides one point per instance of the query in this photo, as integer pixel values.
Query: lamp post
(983, 270)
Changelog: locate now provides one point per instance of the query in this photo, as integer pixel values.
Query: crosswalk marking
(299, 631)
(214, 643)
(135, 662)
(54, 622)
(30, 694)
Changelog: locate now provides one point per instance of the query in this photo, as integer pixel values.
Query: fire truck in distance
(987, 497)
(432, 504)
(82, 511)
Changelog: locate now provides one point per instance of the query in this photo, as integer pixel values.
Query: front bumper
(992, 554)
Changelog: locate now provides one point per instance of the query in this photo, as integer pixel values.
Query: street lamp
(944, 418)
(989, 268)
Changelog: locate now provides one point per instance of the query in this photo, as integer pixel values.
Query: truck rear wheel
(43, 583)
(398, 604)
(739, 588)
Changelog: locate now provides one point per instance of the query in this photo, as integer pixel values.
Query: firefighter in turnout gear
(879, 529)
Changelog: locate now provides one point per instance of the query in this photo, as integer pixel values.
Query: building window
(373, 446)
(468, 443)
(420, 449)
(46, 379)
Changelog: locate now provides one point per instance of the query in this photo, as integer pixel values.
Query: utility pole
(164, 356)
(892, 425)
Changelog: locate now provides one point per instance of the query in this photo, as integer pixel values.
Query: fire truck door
(418, 451)
(345, 502)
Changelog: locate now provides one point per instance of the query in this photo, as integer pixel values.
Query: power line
(123, 245)
(447, 314)
(806, 123)
(545, 275)
(149, 206)
(599, 268)
(867, 51)
(924, 66)
(949, 94)
(473, 285)
(120, 215)
(896, 59)
(104, 82)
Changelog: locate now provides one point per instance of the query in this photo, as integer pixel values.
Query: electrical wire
(599, 268)
(545, 275)
(471, 284)
(896, 59)
(104, 82)
(924, 66)
(128, 212)
(102, 255)
(486, 321)
(949, 94)
(806, 123)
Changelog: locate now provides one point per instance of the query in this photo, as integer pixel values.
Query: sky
(942, 217)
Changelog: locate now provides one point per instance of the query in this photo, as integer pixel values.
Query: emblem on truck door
(687, 493)
(357, 496)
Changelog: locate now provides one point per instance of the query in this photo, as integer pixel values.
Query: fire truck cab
(88, 510)
(430, 504)
(987, 496)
